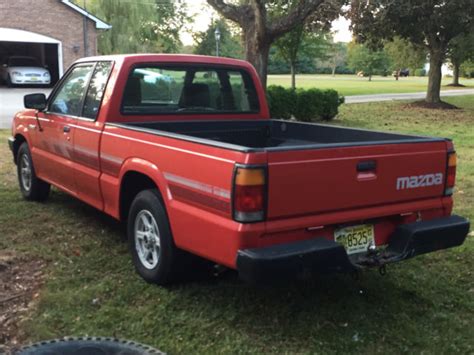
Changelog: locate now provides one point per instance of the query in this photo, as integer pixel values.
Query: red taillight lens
(451, 174)
(249, 194)
(248, 198)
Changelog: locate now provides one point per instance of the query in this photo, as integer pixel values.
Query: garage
(62, 34)
(46, 50)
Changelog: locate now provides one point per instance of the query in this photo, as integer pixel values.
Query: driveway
(11, 101)
(357, 99)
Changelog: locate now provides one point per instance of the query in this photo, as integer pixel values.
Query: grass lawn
(424, 305)
(353, 85)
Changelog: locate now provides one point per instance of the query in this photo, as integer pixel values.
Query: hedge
(304, 105)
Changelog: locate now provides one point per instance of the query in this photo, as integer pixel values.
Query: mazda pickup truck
(183, 149)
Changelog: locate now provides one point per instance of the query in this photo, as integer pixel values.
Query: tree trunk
(433, 95)
(256, 51)
(334, 67)
(370, 77)
(293, 75)
(456, 71)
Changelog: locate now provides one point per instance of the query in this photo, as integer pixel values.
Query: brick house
(56, 32)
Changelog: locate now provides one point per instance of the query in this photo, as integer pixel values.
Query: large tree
(337, 55)
(432, 23)
(151, 26)
(229, 45)
(261, 26)
(298, 44)
(365, 59)
(404, 54)
(461, 49)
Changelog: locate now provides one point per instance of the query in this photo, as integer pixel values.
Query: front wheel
(9, 81)
(32, 188)
(154, 254)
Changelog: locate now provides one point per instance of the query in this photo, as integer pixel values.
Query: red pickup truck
(183, 148)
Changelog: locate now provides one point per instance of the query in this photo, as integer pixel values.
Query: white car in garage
(22, 70)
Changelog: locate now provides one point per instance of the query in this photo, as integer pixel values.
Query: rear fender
(146, 168)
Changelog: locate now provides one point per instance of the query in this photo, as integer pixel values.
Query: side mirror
(35, 101)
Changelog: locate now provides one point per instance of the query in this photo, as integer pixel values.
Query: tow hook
(219, 270)
(382, 270)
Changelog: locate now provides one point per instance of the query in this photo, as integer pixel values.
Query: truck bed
(271, 135)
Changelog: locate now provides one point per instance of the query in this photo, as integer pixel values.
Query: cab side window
(95, 92)
(68, 99)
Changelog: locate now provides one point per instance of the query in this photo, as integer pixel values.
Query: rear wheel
(154, 254)
(32, 188)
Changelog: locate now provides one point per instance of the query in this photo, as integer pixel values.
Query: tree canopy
(229, 46)
(367, 60)
(431, 23)
(151, 26)
(404, 54)
(460, 50)
(263, 22)
(301, 43)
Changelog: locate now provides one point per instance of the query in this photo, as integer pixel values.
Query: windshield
(189, 89)
(23, 62)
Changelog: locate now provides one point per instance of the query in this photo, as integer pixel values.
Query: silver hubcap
(147, 239)
(25, 172)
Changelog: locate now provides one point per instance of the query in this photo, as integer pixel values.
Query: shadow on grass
(208, 314)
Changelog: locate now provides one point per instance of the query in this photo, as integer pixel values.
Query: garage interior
(46, 50)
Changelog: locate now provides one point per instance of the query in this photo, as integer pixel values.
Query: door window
(68, 99)
(96, 89)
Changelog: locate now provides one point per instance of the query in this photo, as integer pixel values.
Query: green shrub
(281, 101)
(304, 105)
(420, 72)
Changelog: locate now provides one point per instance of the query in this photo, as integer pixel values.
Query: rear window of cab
(152, 90)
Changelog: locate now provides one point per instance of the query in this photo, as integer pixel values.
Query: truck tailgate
(313, 181)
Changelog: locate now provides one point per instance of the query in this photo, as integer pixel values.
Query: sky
(203, 15)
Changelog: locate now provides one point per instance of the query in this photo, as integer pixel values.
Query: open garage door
(47, 50)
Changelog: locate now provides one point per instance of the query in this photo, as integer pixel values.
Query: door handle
(369, 165)
(66, 129)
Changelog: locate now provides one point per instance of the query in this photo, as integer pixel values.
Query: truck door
(55, 145)
(87, 138)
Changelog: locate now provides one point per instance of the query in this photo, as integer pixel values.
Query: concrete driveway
(356, 99)
(11, 101)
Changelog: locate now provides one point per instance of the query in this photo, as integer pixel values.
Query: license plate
(355, 239)
(34, 78)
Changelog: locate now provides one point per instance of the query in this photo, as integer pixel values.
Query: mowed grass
(424, 305)
(353, 85)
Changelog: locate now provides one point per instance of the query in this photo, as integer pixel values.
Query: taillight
(249, 194)
(450, 173)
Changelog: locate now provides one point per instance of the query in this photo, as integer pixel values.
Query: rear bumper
(319, 256)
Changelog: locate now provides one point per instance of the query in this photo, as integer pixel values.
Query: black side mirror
(35, 101)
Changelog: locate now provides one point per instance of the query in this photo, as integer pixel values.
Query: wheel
(32, 188)
(154, 254)
(9, 81)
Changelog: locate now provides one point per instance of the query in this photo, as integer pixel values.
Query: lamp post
(217, 33)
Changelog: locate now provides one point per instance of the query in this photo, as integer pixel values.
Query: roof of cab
(170, 58)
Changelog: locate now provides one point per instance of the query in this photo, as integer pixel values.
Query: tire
(9, 82)
(154, 254)
(32, 188)
(87, 346)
